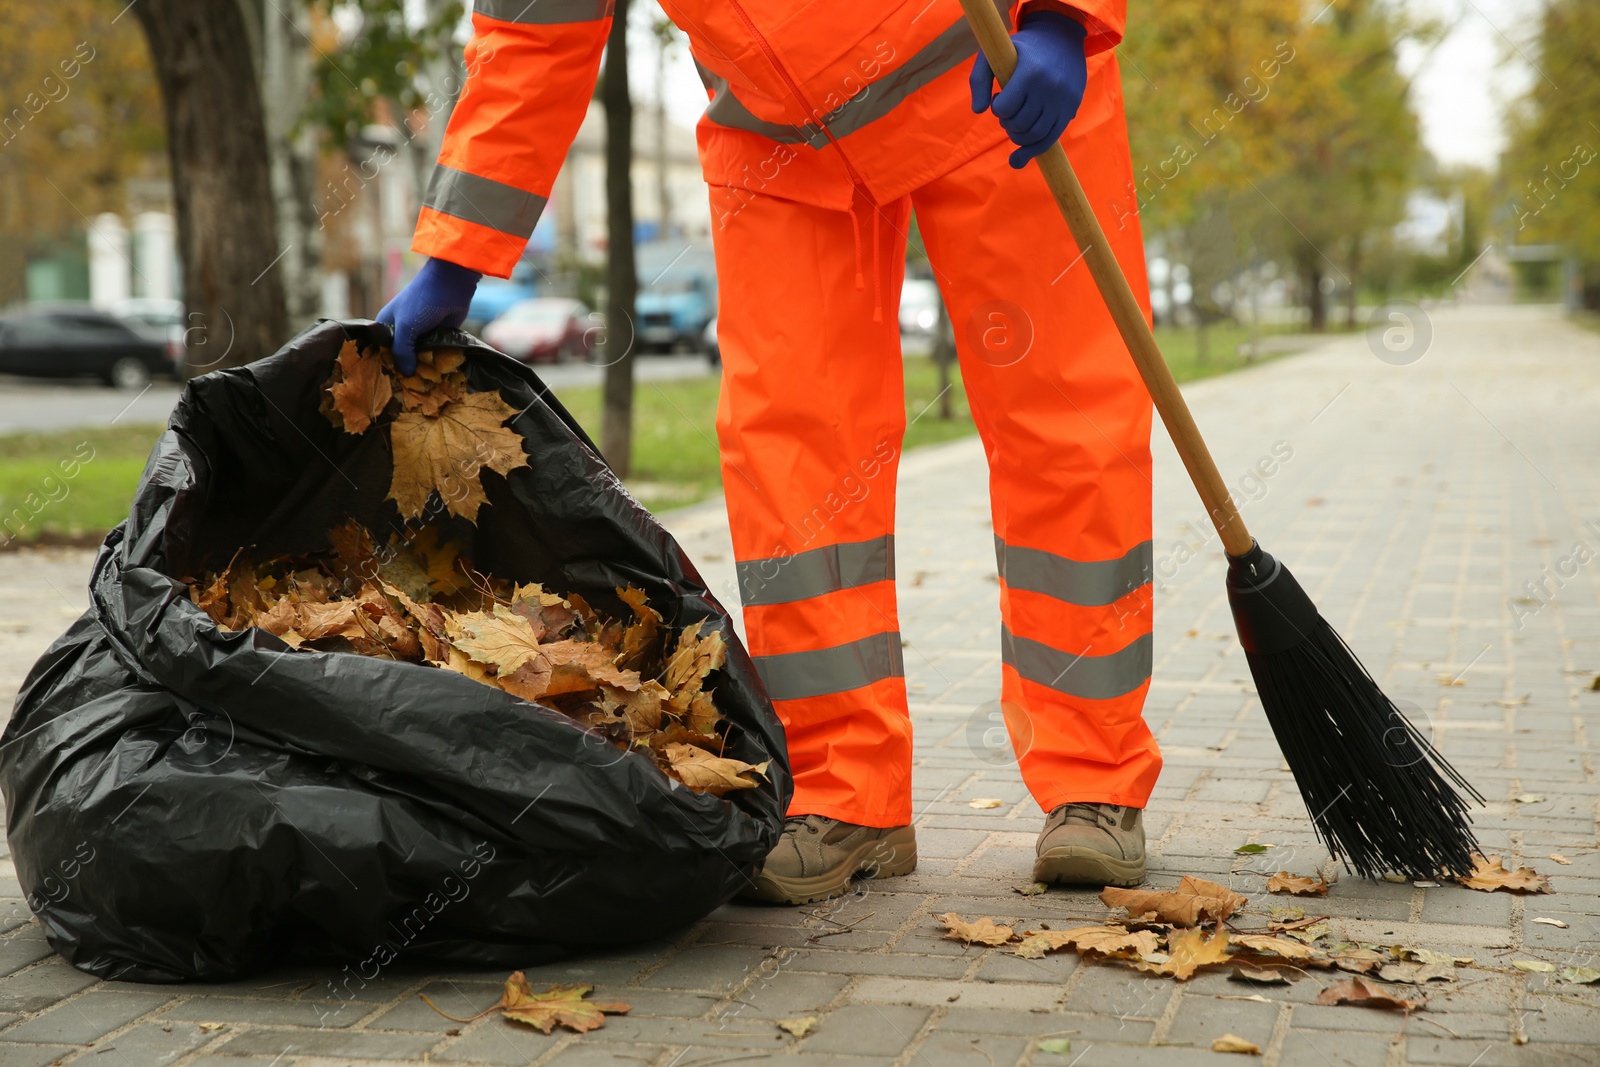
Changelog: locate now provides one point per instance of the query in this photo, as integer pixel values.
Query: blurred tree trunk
(1316, 299)
(1352, 298)
(221, 176)
(622, 281)
(293, 148)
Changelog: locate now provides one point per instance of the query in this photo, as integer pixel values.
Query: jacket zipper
(800, 98)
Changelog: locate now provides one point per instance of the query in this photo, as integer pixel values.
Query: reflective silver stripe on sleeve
(1087, 677)
(944, 53)
(783, 579)
(483, 201)
(797, 675)
(1086, 583)
(544, 12)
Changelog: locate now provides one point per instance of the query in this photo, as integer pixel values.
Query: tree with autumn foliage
(1551, 172)
(81, 117)
(1280, 131)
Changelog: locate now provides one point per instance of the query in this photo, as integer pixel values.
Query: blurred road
(37, 404)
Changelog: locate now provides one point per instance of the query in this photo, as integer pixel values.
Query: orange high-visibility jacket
(808, 101)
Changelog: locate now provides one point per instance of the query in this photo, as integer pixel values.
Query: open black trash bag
(185, 803)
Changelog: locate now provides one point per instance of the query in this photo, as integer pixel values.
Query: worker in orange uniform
(829, 123)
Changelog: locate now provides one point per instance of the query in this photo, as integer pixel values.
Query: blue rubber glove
(438, 296)
(1046, 88)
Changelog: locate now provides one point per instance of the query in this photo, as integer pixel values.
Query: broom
(1380, 796)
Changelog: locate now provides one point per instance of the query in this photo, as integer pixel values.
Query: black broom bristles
(1381, 797)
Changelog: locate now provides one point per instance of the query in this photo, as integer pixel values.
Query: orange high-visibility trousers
(810, 424)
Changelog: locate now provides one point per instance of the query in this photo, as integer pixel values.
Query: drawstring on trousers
(877, 270)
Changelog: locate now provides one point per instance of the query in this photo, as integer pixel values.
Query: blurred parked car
(54, 342)
(155, 319)
(546, 329)
(677, 296)
(495, 296)
(713, 350)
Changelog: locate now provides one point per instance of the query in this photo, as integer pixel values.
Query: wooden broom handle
(995, 40)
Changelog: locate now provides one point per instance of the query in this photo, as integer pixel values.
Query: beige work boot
(1092, 844)
(817, 857)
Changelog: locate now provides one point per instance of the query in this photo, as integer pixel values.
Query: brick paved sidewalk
(1437, 512)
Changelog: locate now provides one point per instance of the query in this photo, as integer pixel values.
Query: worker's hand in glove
(438, 296)
(1045, 90)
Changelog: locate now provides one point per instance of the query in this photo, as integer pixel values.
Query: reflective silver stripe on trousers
(544, 12)
(945, 52)
(784, 579)
(483, 201)
(1088, 677)
(797, 675)
(1086, 583)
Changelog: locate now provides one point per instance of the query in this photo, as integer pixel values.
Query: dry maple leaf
(641, 639)
(693, 659)
(1187, 952)
(448, 453)
(560, 1005)
(1360, 992)
(500, 639)
(1194, 901)
(1109, 941)
(1276, 946)
(982, 931)
(1297, 884)
(1490, 874)
(700, 770)
(358, 391)
(798, 1027)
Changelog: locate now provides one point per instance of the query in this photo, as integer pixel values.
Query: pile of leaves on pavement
(1180, 932)
(415, 597)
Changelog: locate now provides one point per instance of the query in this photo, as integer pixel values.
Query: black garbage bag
(188, 803)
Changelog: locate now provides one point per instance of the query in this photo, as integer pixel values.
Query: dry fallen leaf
(1186, 953)
(1364, 994)
(1559, 858)
(1244, 972)
(359, 389)
(448, 453)
(1111, 941)
(1489, 874)
(1417, 973)
(1358, 960)
(1580, 975)
(1194, 901)
(985, 803)
(700, 770)
(560, 1005)
(1557, 923)
(1529, 798)
(982, 931)
(798, 1027)
(1235, 1043)
(1276, 946)
(1032, 889)
(1297, 884)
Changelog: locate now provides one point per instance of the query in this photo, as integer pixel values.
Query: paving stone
(1465, 1053)
(1119, 991)
(713, 969)
(495, 1041)
(86, 1018)
(579, 1054)
(341, 1044)
(1201, 1020)
(322, 1014)
(867, 1030)
(944, 1049)
(20, 1055)
(1305, 1046)
(936, 994)
(1117, 1030)
(42, 985)
(790, 995)
(152, 1044)
(17, 952)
